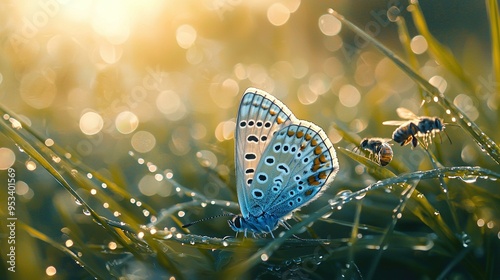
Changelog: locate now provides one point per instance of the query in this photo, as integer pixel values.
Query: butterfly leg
(270, 231)
(288, 227)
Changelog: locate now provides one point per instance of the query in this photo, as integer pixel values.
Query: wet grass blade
(384, 243)
(36, 151)
(442, 54)
(90, 268)
(494, 16)
(449, 172)
(484, 141)
(373, 168)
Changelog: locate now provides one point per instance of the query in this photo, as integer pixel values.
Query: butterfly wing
(298, 165)
(260, 115)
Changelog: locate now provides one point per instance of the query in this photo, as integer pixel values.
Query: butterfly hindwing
(259, 116)
(296, 167)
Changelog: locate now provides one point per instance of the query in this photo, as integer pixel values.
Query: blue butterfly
(282, 163)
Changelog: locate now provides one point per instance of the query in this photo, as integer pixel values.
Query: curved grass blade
(449, 172)
(388, 232)
(482, 140)
(494, 16)
(90, 268)
(373, 168)
(442, 54)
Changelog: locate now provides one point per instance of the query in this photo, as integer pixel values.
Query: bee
(379, 148)
(421, 126)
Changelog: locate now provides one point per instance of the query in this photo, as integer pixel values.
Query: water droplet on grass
(469, 178)
(86, 212)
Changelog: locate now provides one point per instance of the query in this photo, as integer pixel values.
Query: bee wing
(406, 114)
(397, 123)
(381, 139)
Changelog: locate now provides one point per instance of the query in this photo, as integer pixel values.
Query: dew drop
(56, 159)
(344, 194)
(469, 179)
(466, 240)
(78, 202)
(86, 212)
(15, 123)
(225, 244)
(436, 213)
(327, 215)
(264, 257)
(168, 235)
(360, 196)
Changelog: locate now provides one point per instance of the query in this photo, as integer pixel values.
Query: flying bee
(422, 126)
(379, 149)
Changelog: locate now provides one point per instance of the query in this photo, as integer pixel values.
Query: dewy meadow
(120, 121)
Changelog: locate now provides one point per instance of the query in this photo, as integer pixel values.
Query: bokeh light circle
(7, 158)
(91, 123)
(143, 141)
(126, 122)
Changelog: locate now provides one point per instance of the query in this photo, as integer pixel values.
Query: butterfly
(282, 163)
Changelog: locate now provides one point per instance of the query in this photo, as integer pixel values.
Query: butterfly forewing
(259, 116)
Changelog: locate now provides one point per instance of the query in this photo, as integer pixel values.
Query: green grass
(422, 219)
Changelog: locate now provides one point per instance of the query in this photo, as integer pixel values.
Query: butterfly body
(282, 163)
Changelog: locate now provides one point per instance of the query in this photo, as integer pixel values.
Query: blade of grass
(450, 172)
(444, 188)
(36, 155)
(484, 141)
(442, 54)
(90, 268)
(373, 168)
(68, 163)
(388, 232)
(355, 140)
(494, 16)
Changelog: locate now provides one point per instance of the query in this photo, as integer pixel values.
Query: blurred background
(163, 79)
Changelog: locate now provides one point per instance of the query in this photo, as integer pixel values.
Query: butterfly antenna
(206, 219)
